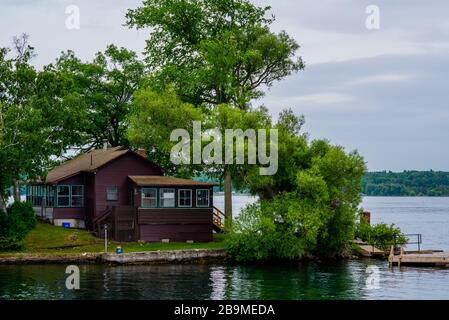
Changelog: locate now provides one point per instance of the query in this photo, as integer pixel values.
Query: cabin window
(167, 197)
(185, 198)
(63, 194)
(112, 193)
(202, 198)
(149, 198)
(77, 196)
(40, 195)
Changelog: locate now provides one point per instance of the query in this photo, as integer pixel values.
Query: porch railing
(218, 219)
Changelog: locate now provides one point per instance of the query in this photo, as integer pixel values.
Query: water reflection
(283, 281)
(342, 280)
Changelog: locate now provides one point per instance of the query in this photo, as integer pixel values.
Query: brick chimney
(141, 152)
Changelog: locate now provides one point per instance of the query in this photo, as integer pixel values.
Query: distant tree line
(406, 183)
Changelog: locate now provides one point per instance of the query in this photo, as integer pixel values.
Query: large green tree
(106, 85)
(153, 118)
(38, 116)
(214, 52)
(308, 207)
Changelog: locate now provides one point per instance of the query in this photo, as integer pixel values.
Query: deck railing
(97, 221)
(416, 237)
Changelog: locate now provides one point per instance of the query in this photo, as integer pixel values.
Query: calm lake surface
(343, 280)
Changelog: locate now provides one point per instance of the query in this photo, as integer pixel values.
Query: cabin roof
(163, 181)
(87, 162)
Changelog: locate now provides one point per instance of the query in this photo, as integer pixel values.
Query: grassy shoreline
(48, 241)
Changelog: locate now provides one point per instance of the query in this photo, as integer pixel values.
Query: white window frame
(77, 196)
(142, 192)
(208, 198)
(69, 202)
(107, 193)
(179, 198)
(161, 198)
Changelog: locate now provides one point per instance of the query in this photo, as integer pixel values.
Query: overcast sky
(383, 92)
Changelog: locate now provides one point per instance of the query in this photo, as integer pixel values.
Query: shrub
(9, 244)
(21, 218)
(283, 228)
(15, 225)
(380, 235)
(4, 228)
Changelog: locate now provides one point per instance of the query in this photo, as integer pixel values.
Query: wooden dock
(366, 250)
(424, 258)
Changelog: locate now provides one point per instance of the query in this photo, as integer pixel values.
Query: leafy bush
(272, 229)
(310, 209)
(21, 218)
(15, 225)
(380, 235)
(9, 244)
(4, 229)
(289, 227)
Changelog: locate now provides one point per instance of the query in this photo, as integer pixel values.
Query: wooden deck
(424, 258)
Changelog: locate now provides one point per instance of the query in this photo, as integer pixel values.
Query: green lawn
(47, 239)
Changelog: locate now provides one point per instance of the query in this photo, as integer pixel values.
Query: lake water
(342, 280)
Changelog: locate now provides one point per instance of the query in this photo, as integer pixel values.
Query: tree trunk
(16, 190)
(3, 203)
(267, 193)
(228, 197)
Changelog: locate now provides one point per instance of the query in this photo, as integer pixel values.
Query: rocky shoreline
(132, 258)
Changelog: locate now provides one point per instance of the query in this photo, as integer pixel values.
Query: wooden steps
(218, 220)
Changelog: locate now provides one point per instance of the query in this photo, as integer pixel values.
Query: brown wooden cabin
(127, 192)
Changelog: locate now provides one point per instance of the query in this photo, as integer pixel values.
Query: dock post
(391, 257)
(400, 257)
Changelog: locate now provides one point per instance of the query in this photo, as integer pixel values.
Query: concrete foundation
(74, 223)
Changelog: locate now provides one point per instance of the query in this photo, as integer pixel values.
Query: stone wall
(173, 256)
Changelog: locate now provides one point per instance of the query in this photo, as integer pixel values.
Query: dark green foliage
(284, 227)
(38, 115)
(308, 208)
(15, 225)
(380, 235)
(106, 85)
(9, 244)
(21, 218)
(3, 224)
(407, 183)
